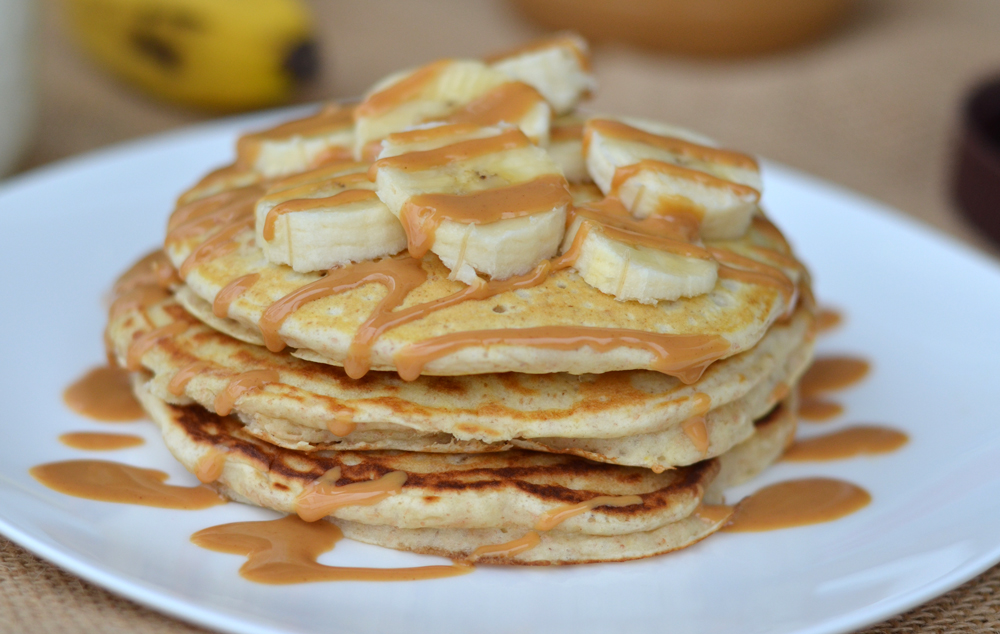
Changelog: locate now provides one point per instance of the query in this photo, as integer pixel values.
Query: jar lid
(977, 179)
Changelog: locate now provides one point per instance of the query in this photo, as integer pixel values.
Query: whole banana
(212, 54)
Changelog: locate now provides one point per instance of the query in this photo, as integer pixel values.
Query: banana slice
(299, 145)
(513, 103)
(429, 93)
(558, 67)
(583, 193)
(329, 216)
(482, 199)
(656, 169)
(646, 261)
(566, 148)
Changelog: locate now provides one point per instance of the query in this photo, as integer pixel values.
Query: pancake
(452, 504)
(306, 403)
(731, 318)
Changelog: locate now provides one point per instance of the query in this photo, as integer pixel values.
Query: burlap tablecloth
(873, 107)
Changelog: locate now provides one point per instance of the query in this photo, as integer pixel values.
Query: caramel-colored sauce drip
(404, 90)
(507, 103)
(215, 247)
(196, 217)
(398, 275)
(508, 549)
(828, 319)
(341, 424)
(846, 443)
(104, 394)
(559, 41)
(569, 132)
(115, 482)
(140, 297)
(461, 151)
(179, 381)
(99, 441)
(625, 172)
(797, 503)
(330, 118)
(321, 497)
(560, 514)
(668, 233)
(240, 385)
(681, 356)
(749, 271)
(209, 467)
(145, 342)
(696, 431)
(225, 297)
(347, 197)
(713, 513)
(422, 214)
(284, 551)
(832, 373)
(816, 409)
(153, 270)
(680, 147)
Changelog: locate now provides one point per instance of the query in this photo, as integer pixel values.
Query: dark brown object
(977, 181)
(693, 27)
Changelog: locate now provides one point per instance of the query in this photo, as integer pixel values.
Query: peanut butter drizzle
(140, 297)
(404, 90)
(568, 132)
(225, 297)
(305, 204)
(154, 269)
(209, 467)
(398, 275)
(200, 215)
(815, 409)
(421, 215)
(284, 551)
(862, 440)
(104, 394)
(508, 549)
(668, 233)
(625, 172)
(713, 513)
(333, 154)
(680, 147)
(179, 381)
(797, 503)
(331, 173)
(99, 441)
(551, 519)
(145, 342)
(341, 424)
(115, 482)
(696, 431)
(827, 319)
(330, 118)
(460, 151)
(215, 247)
(751, 271)
(683, 356)
(240, 385)
(538, 45)
(832, 373)
(507, 103)
(322, 496)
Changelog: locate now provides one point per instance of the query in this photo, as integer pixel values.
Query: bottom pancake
(452, 504)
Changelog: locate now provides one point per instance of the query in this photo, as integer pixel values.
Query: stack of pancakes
(612, 339)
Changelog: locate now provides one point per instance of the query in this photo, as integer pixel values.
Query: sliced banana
(566, 148)
(327, 217)
(411, 97)
(301, 144)
(558, 67)
(654, 168)
(482, 199)
(585, 193)
(642, 260)
(513, 103)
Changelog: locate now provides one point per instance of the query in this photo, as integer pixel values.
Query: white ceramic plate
(923, 309)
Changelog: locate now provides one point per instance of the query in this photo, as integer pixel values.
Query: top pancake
(737, 311)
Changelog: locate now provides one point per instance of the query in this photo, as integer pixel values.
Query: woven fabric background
(874, 107)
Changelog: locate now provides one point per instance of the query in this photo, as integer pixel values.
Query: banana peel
(220, 55)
